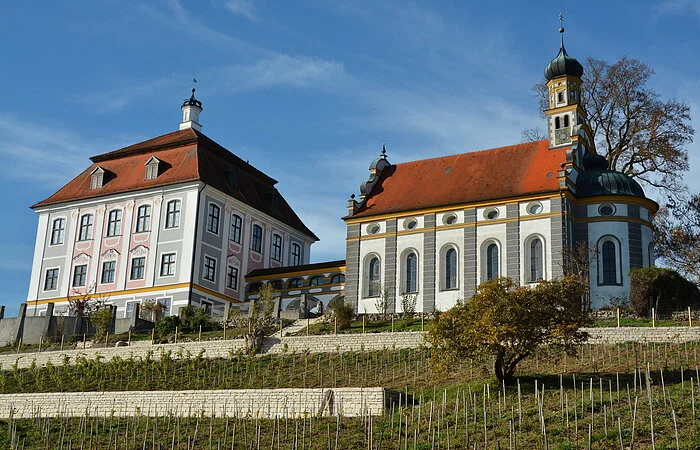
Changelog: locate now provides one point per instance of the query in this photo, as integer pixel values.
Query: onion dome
(594, 182)
(563, 64)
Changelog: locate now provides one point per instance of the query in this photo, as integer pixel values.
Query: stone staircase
(297, 326)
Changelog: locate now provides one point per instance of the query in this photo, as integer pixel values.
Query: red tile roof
(188, 155)
(513, 171)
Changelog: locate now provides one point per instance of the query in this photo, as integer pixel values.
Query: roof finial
(561, 28)
(383, 151)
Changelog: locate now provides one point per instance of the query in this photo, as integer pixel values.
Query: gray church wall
(429, 263)
(557, 237)
(513, 242)
(352, 258)
(469, 260)
(390, 264)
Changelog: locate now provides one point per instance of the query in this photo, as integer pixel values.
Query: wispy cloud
(45, 155)
(240, 7)
(679, 6)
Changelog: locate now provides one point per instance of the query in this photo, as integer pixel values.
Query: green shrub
(100, 319)
(665, 290)
(344, 314)
(167, 325)
(192, 317)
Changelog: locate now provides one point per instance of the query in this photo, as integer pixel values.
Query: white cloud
(240, 7)
(679, 6)
(280, 71)
(44, 155)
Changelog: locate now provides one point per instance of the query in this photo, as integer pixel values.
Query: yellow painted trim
(103, 295)
(647, 203)
(439, 209)
(298, 273)
(562, 109)
(612, 219)
(213, 293)
(460, 225)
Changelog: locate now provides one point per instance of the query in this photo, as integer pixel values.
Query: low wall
(263, 403)
(322, 344)
(643, 334)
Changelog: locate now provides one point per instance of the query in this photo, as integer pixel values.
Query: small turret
(191, 108)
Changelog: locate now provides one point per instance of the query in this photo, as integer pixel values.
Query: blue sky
(307, 90)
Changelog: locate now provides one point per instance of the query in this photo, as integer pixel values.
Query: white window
(213, 218)
(97, 178)
(85, 227)
(276, 247)
(114, 223)
(143, 219)
(108, 271)
(209, 271)
(232, 278)
(167, 303)
(79, 275)
(172, 216)
(58, 231)
(137, 268)
(130, 308)
(152, 168)
(236, 223)
(167, 264)
(256, 242)
(51, 279)
(296, 254)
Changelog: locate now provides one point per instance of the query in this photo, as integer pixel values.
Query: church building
(176, 219)
(437, 228)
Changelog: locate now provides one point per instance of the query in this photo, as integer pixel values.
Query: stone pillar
(19, 326)
(48, 330)
(390, 265)
(352, 264)
(557, 230)
(429, 269)
(469, 267)
(512, 254)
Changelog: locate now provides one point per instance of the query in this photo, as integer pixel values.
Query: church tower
(563, 75)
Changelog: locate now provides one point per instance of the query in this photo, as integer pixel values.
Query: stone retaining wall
(322, 344)
(263, 403)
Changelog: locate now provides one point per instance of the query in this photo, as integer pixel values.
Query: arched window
(316, 281)
(536, 260)
(254, 287)
(557, 123)
(609, 255)
(295, 283)
(492, 261)
(450, 278)
(411, 273)
(338, 278)
(566, 121)
(373, 277)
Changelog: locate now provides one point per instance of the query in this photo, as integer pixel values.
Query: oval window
(606, 209)
(449, 219)
(410, 224)
(491, 213)
(534, 208)
(373, 228)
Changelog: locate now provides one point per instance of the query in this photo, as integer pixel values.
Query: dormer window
(152, 168)
(97, 178)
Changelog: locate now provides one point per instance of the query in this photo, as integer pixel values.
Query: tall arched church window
(609, 263)
(557, 123)
(536, 260)
(411, 274)
(451, 269)
(492, 261)
(566, 121)
(373, 277)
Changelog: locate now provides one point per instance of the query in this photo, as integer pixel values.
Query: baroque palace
(181, 220)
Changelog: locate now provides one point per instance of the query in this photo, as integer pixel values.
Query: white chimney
(190, 113)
